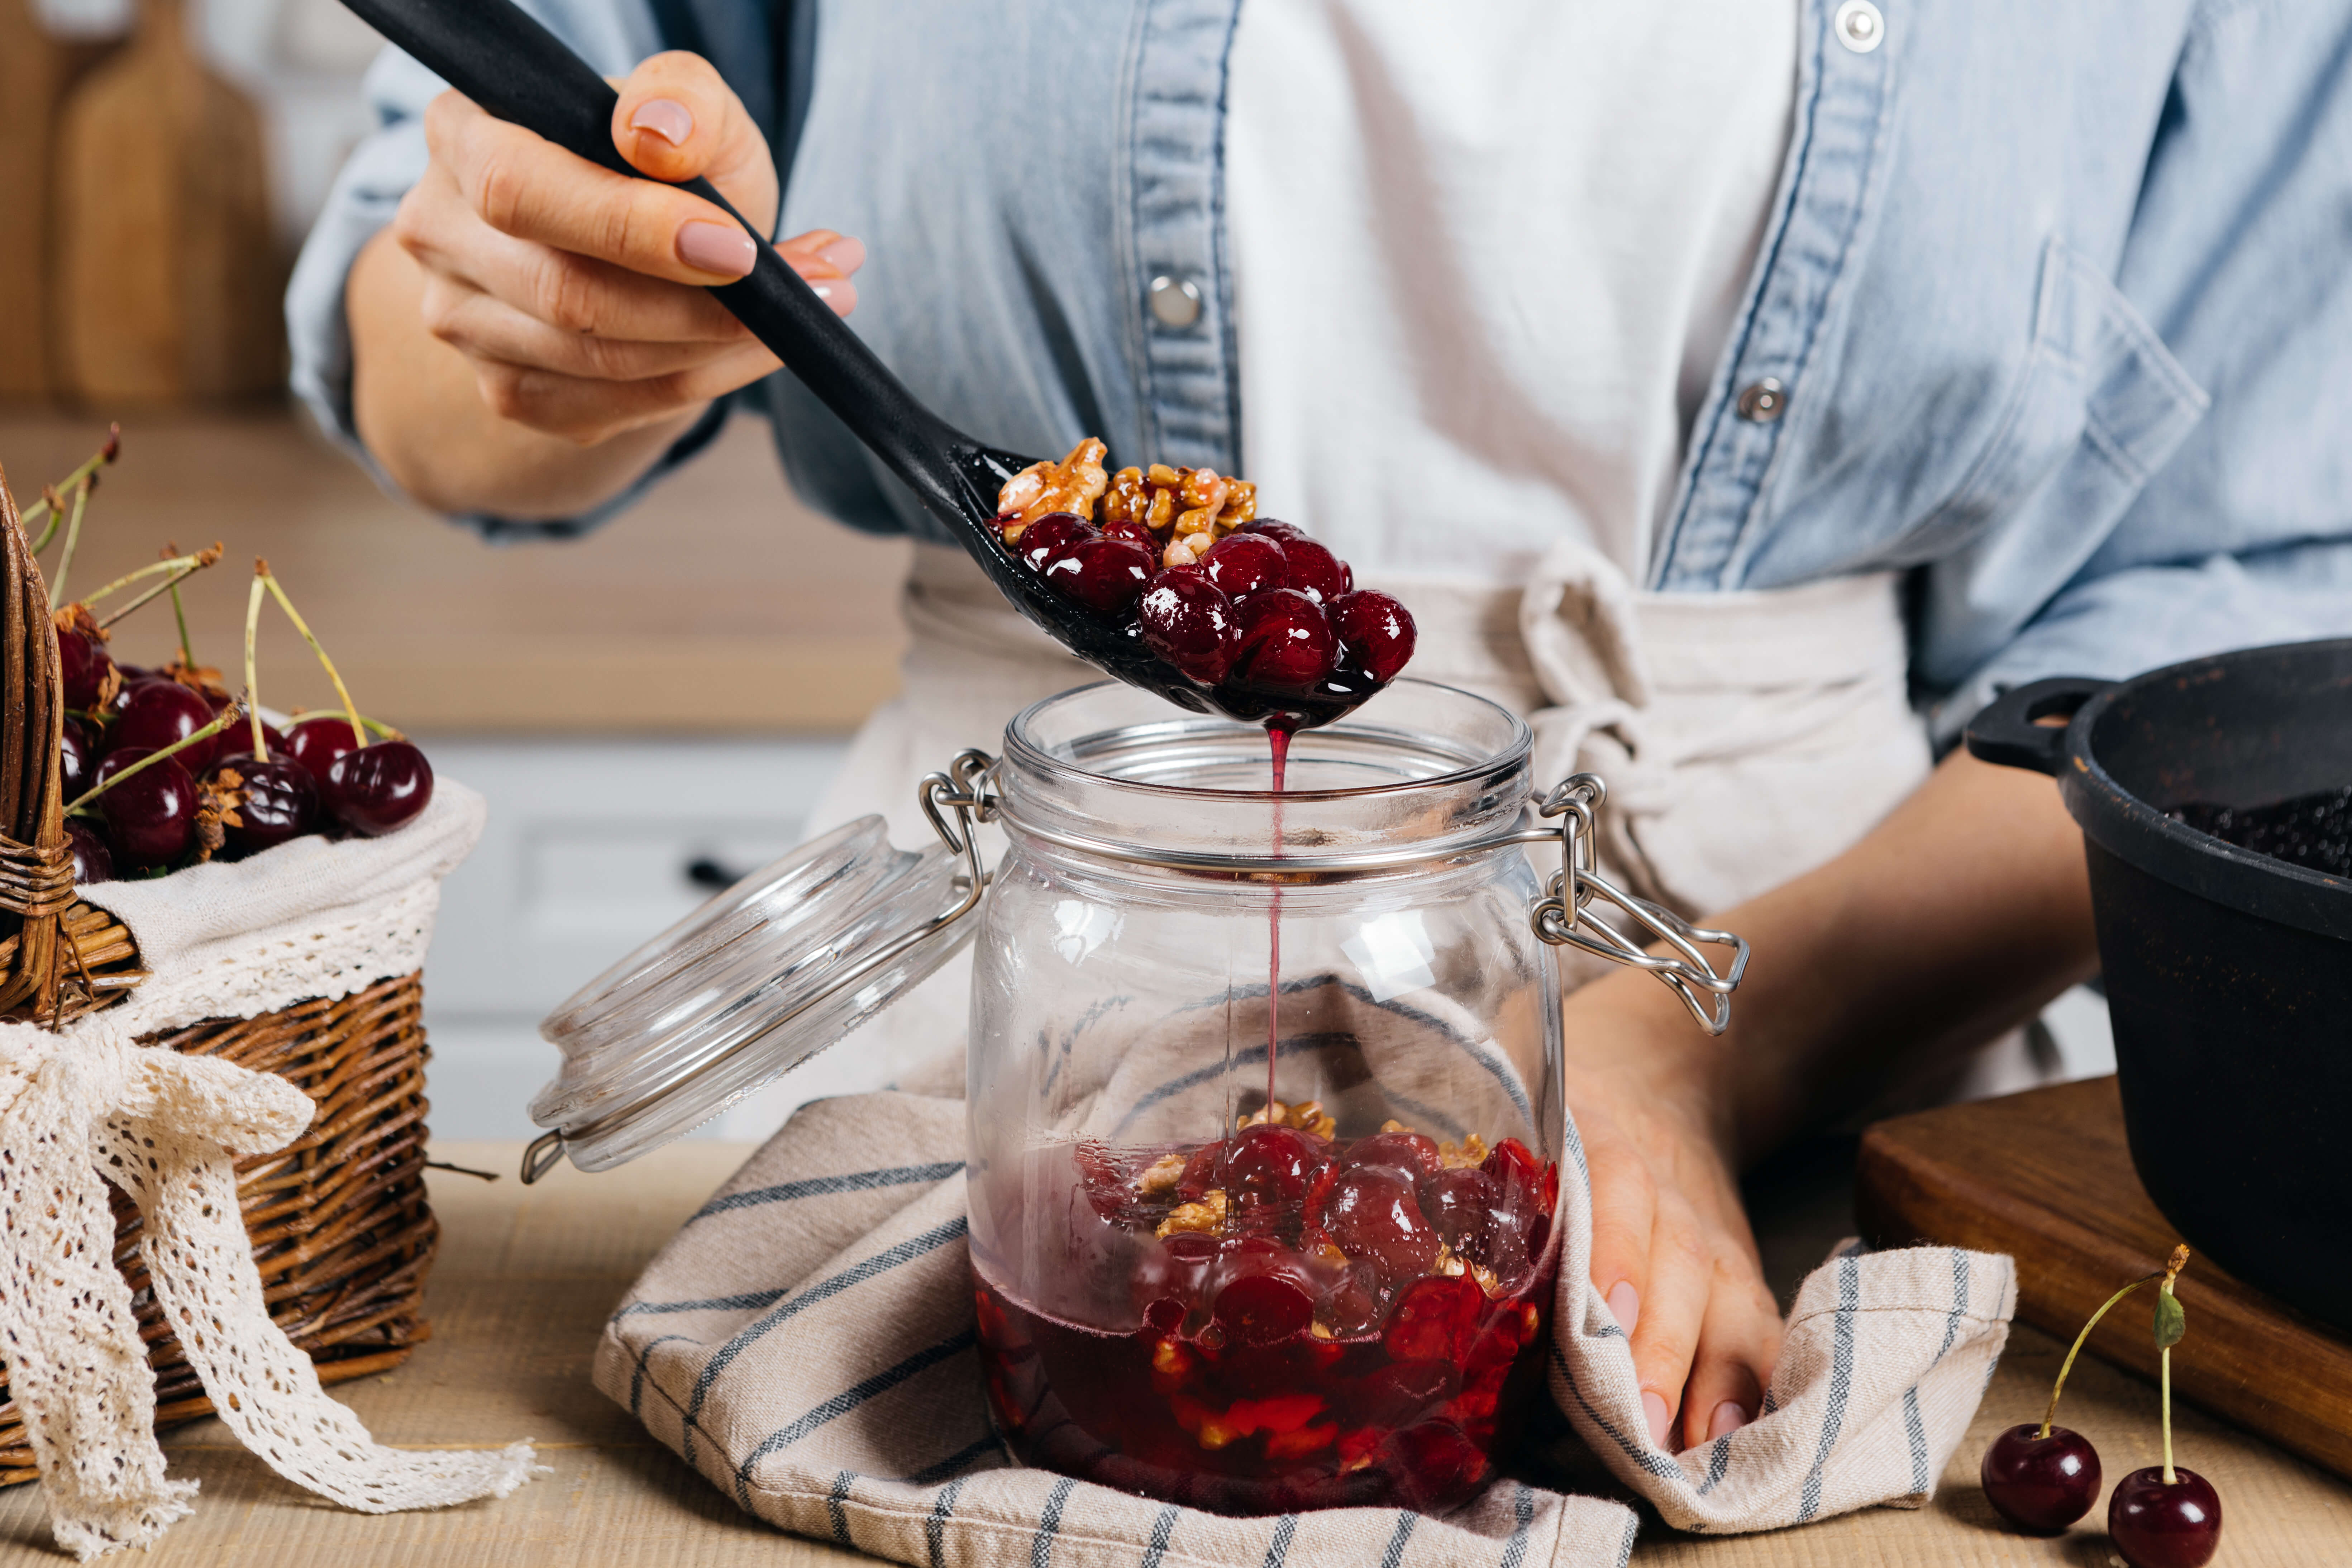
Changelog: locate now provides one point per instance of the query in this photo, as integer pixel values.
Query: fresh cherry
(1134, 532)
(1285, 643)
(1245, 563)
(1049, 534)
(1378, 632)
(1273, 527)
(92, 861)
(2160, 1524)
(78, 746)
(82, 665)
(1411, 1153)
(1373, 1214)
(1314, 571)
(379, 788)
(1270, 1164)
(280, 801)
(1103, 574)
(1188, 621)
(1460, 1204)
(316, 742)
(151, 817)
(2037, 1483)
(158, 713)
(1266, 1296)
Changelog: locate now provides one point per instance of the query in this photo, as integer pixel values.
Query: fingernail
(1654, 1405)
(1625, 1305)
(1729, 1416)
(846, 254)
(669, 120)
(822, 290)
(720, 248)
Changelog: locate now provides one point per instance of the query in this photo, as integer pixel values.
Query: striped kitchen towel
(806, 1342)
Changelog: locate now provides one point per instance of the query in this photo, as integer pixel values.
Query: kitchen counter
(719, 605)
(526, 1276)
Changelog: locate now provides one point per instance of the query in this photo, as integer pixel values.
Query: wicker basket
(341, 1228)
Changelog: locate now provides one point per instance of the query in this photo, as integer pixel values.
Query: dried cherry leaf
(2171, 1322)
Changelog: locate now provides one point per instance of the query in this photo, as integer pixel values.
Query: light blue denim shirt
(2059, 296)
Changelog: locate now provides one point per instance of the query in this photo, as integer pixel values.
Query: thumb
(677, 118)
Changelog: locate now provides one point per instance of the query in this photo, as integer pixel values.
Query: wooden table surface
(719, 605)
(526, 1276)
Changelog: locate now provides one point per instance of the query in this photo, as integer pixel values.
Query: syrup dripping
(1278, 741)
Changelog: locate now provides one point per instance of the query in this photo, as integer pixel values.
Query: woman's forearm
(1952, 921)
(419, 408)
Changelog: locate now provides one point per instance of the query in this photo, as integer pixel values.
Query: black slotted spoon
(514, 68)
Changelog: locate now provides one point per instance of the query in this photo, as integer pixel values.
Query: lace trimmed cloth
(88, 1105)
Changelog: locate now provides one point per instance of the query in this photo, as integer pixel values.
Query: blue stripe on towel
(935, 1528)
(1041, 1545)
(1841, 1384)
(822, 1290)
(825, 1186)
(842, 1403)
(1163, 1530)
(1285, 1529)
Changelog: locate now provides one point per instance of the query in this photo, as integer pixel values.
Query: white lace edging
(325, 920)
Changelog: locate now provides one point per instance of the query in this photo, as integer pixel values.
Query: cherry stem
(351, 708)
(180, 615)
(228, 716)
(2172, 1268)
(42, 508)
(252, 682)
(2068, 1365)
(73, 537)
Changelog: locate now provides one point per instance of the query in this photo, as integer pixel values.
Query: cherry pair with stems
(2042, 1478)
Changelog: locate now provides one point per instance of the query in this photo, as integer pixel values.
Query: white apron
(1746, 737)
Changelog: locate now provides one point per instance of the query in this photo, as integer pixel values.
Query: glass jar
(1266, 1117)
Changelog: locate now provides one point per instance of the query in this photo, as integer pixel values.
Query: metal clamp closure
(1565, 919)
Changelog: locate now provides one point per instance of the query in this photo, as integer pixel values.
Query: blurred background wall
(649, 710)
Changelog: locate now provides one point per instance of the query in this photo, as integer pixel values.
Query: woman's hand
(569, 303)
(1952, 921)
(1672, 1251)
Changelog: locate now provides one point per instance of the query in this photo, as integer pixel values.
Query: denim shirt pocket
(2098, 404)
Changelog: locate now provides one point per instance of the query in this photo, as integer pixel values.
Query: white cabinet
(592, 848)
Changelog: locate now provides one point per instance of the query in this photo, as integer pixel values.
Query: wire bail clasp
(1564, 917)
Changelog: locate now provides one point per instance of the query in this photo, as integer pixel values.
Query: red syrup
(1279, 745)
(1311, 1352)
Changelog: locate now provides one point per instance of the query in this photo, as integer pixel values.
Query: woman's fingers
(1674, 1309)
(590, 411)
(483, 326)
(523, 185)
(676, 119)
(1738, 1343)
(1624, 1214)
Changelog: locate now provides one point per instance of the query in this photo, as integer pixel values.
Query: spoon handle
(503, 58)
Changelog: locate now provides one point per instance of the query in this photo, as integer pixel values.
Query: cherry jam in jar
(1265, 1120)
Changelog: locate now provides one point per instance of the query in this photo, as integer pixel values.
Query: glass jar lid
(757, 981)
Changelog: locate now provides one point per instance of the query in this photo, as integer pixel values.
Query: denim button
(1764, 401)
(1858, 26)
(1175, 301)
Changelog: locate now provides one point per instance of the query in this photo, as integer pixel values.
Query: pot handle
(2005, 730)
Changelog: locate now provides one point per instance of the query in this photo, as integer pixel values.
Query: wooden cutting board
(2045, 1177)
(167, 280)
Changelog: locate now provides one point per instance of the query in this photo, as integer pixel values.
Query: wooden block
(2045, 1177)
(166, 283)
(32, 74)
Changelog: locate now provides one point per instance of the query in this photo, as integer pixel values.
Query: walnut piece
(1160, 1177)
(1206, 1217)
(1187, 509)
(1072, 485)
(1307, 1116)
(1471, 1150)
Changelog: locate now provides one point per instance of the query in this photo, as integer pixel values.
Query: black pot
(2229, 974)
